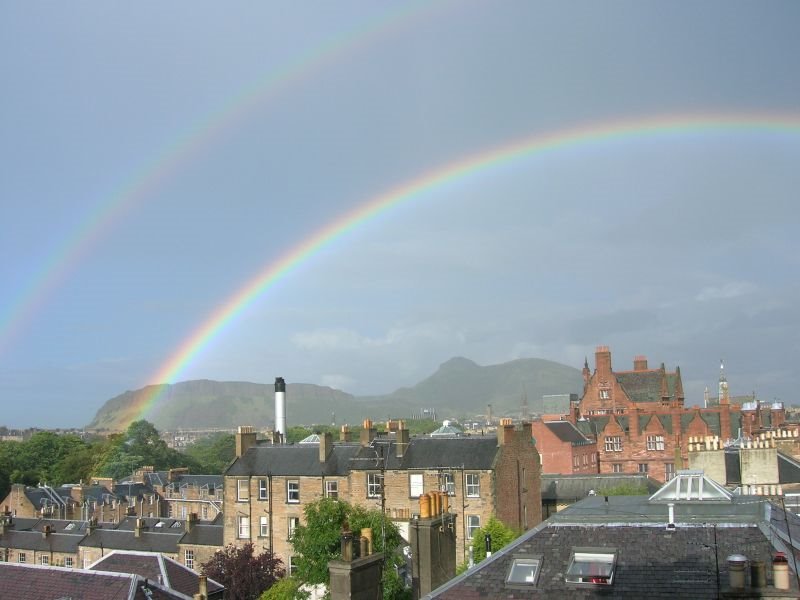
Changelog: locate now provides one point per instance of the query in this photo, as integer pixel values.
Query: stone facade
(267, 488)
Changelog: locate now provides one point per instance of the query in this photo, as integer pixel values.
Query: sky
(155, 158)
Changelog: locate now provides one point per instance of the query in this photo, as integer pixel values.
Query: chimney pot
(737, 566)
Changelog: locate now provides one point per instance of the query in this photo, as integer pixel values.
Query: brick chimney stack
(505, 432)
(602, 361)
(368, 432)
(325, 446)
(401, 445)
(245, 439)
(640, 363)
(345, 435)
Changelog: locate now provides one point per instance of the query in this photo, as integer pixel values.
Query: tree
(501, 535)
(624, 489)
(244, 574)
(318, 541)
(213, 453)
(140, 445)
(286, 589)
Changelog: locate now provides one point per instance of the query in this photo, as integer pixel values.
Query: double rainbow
(595, 134)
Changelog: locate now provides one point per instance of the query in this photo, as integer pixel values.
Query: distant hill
(460, 388)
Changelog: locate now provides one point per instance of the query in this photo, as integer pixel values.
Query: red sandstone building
(641, 425)
(563, 449)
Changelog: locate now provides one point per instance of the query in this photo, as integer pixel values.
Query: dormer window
(594, 566)
(524, 571)
(604, 394)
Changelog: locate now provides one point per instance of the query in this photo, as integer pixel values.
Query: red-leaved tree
(244, 574)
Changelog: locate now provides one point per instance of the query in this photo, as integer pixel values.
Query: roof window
(524, 570)
(595, 566)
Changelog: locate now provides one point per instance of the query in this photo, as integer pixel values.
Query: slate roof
(473, 452)
(645, 386)
(35, 540)
(131, 490)
(292, 459)
(203, 534)
(652, 562)
(567, 432)
(159, 478)
(113, 539)
(35, 582)
(45, 495)
(156, 567)
(788, 468)
(61, 526)
(576, 487)
(168, 525)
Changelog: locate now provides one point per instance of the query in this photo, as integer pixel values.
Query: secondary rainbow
(593, 134)
(182, 149)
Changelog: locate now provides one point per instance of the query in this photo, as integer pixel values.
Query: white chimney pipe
(280, 406)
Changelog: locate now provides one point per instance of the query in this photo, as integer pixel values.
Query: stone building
(268, 485)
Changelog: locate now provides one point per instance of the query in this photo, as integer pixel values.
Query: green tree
(140, 445)
(286, 589)
(501, 536)
(213, 453)
(318, 541)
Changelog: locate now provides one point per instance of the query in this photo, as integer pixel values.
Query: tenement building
(268, 485)
(641, 425)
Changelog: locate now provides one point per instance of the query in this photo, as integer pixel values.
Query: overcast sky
(155, 157)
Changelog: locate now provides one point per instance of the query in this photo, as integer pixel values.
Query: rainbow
(535, 145)
(182, 150)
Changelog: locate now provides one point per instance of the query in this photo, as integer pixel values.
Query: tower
(723, 385)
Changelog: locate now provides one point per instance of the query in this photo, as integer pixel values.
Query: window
(294, 523)
(374, 485)
(263, 526)
(575, 461)
(448, 484)
(642, 467)
(242, 491)
(44, 559)
(655, 442)
(183, 512)
(473, 524)
(68, 562)
(616, 467)
(594, 458)
(415, 485)
(188, 559)
(292, 565)
(331, 489)
(591, 567)
(613, 443)
(244, 528)
(604, 394)
(473, 485)
(293, 491)
(21, 557)
(524, 570)
(204, 512)
(585, 459)
(669, 471)
(262, 489)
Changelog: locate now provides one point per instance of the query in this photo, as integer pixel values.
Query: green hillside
(458, 389)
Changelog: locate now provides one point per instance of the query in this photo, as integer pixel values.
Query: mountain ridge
(459, 388)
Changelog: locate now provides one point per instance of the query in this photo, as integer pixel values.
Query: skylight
(591, 567)
(689, 485)
(160, 524)
(523, 571)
